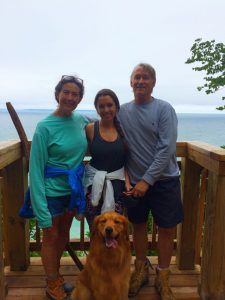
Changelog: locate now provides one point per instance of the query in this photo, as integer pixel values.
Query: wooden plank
(213, 255)
(10, 151)
(36, 261)
(214, 152)
(146, 293)
(181, 149)
(186, 234)
(28, 297)
(15, 185)
(4, 214)
(200, 216)
(2, 276)
(69, 270)
(39, 281)
(208, 156)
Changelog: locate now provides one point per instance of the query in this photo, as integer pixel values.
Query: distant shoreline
(42, 110)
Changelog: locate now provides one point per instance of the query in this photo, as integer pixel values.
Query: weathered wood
(2, 276)
(21, 133)
(214, 152)
(181, 149)
(213, 257)
(208, 156)
(200, 216)
(15, 185)
(186, 235)
(10, 151)
(4, 214)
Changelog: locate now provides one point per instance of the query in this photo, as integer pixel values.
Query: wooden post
(212, 284)
(186, 235)
(200, 217)
(17, 229)
(4, 214)
(2, 275)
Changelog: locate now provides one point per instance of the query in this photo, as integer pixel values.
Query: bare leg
(165, 246)
(140, 276)
(49, 249)
(53, 245)
(140, 238)
(64, 234)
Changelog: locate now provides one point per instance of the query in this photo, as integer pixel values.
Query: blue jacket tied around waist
(75, 180)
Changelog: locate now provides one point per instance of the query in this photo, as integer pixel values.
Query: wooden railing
(203, 194)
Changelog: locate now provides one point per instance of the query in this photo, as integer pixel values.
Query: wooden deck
(31, 284)
(200, 238)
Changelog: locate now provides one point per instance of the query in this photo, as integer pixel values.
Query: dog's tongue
(111, 243)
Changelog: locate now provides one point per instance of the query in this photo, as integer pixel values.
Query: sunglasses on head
(70, 77)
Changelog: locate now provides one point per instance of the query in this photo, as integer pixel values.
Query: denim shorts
(163, 199)
(58, 205)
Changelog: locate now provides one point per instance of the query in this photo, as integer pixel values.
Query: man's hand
(140, 188)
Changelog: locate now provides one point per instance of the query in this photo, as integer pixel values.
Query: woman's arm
(128, 186)
(38, 159)
(90, 132)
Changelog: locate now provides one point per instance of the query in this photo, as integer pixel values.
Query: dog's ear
(94, 226)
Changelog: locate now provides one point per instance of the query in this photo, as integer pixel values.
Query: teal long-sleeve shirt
(57, 142)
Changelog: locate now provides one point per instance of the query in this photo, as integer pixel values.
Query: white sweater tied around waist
(102, 186)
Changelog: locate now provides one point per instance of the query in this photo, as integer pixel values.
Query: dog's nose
(108, 230)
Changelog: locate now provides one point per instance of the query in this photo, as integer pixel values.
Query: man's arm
(166, 145)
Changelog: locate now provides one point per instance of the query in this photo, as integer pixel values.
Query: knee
(51, 240)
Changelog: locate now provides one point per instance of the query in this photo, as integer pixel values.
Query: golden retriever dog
(106, 273)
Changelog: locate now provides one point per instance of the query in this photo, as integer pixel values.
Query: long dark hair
(108, 92)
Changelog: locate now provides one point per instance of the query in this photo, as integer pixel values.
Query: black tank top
(106, 156)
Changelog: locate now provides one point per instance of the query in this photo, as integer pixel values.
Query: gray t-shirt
(151, 133)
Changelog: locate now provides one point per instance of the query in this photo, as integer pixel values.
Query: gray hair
(148, 68)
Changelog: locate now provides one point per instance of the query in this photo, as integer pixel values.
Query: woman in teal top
(58, 148)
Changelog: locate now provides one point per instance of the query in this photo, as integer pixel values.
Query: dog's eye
(117, 222)
(102, 221)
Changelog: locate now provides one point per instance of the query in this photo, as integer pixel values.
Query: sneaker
(162, 284)
(54, 290)
(139, 277)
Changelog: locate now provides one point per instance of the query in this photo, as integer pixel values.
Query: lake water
(209, 128)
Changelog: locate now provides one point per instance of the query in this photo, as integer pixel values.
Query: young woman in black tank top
(107, 148)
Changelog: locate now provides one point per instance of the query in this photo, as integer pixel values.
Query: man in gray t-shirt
(150, 129)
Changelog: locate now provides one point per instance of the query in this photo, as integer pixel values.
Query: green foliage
(150, 223)
(35, 254)
(211, 56)
(88, 234)
(32, 225)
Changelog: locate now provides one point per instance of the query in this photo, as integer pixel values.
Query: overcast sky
(101, 41)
